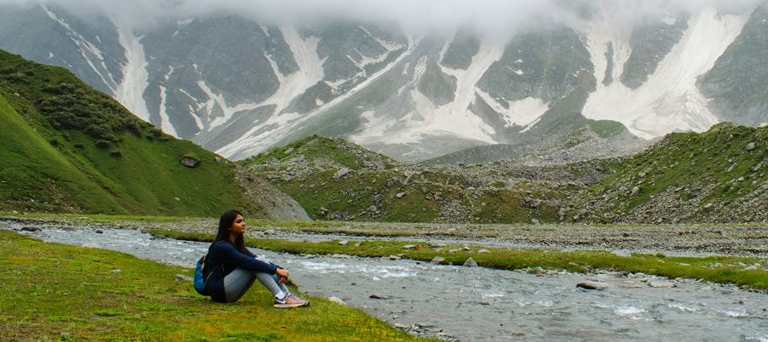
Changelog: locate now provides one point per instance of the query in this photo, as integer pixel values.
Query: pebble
(337, 300)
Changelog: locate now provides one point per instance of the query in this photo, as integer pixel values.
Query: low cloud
(497, 16)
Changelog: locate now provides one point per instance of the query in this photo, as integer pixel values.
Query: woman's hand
(283, 274)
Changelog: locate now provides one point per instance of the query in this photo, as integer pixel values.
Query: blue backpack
(201, 275)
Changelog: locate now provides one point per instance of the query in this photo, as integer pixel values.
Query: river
(479, 304)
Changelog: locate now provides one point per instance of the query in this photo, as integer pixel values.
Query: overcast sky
(486, 15)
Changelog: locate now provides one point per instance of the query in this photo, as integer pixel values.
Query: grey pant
(240, 280)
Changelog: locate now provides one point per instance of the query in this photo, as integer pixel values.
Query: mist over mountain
(563, 80)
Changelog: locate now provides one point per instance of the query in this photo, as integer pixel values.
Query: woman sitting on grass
(233, 268)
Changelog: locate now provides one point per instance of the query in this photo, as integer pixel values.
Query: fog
(482, 15)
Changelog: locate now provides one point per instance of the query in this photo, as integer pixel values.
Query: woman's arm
(230, 255)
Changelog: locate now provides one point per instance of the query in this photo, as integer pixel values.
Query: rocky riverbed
(473, 303)
(672, 239)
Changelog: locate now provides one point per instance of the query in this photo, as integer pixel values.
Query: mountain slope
(69, 148)
(716, 176)
(239, 87)
(335, 180)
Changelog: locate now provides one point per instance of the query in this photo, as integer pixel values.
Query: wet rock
(661, 284)
(589, 285)
(394, 257)
(470, 262)
(99, 231)
(337, 300)
(30, 229)
(438, 260)
(630, 284)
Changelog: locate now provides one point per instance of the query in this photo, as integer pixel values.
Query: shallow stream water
(480, 304)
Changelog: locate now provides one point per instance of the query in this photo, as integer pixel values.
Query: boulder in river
(661, 284)
(591, 285)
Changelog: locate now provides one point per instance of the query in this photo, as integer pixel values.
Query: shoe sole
(287, 306)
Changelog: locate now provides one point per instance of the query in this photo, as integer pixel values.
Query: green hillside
(336, 180)
(68, 148)
(715, 176)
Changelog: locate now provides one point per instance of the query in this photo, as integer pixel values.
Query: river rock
(337, 300)
(470, 263)
(394, 257)
(590, 285)
(438, 260)
(343, 242)
(661, 284)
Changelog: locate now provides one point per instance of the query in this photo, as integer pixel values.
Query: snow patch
(130, 92)
(218, 100)
(519, 113)
(390, 46)
(267, 134)
(669, 101)
(87, 50)
(426, 119)
(517, 71)
(165, 122)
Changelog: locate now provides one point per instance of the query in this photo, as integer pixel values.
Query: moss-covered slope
(66, 147)
(716, 176)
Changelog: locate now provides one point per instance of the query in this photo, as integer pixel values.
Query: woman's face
(238, 226)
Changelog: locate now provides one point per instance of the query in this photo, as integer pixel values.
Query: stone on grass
(470, 263)
(341, 173)
(438, 260)
(337, 300)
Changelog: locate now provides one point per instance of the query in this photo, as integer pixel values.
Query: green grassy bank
(53, 292)
(719, 269)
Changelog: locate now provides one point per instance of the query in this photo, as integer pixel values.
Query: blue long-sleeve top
(223, 258)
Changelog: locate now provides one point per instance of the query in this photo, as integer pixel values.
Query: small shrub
(103, 144)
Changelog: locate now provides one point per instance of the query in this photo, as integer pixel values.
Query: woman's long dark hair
(225, 222)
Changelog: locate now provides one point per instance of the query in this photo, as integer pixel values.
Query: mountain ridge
(410, 97)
